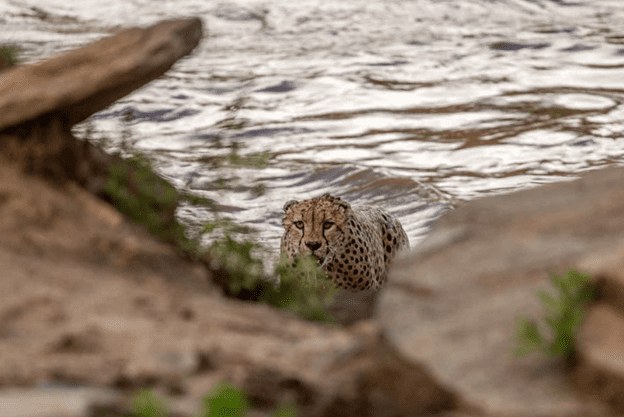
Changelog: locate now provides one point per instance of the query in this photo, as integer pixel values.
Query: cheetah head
(317, 226)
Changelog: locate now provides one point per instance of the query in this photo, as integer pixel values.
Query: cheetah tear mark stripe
(300, 240)
(325, 239)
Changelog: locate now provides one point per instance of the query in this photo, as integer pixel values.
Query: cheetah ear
(341, 203)
(289, 204)
(344, 205)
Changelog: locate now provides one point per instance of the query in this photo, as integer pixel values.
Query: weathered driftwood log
(81, 82)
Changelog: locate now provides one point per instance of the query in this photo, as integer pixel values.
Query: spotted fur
(354, 246)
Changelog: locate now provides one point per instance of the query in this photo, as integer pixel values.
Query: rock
(599, 371)
(348, 308)
(86, 80)
(607, 270)
(57, 402)
(449, 310)
(35, 128)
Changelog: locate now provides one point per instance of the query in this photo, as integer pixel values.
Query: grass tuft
(136, 191)
(8, 55)
(223, 400)
(304, 288)
(564, 312)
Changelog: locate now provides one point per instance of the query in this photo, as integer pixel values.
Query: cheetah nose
(313, 244)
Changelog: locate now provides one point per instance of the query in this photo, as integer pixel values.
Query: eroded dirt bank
(89, 299)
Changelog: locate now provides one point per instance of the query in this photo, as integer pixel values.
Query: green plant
(304, 288)
(8, 53)
(227, 226)
(234, 160)
(147, 404)
(146, 198)
(149, 200)
(195, 200)
(564, 313)
(225, 400)
(126, 131)
(244, 269)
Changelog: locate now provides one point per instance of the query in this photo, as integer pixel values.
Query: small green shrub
(223, 400)
(234, 160)
(195, 200)
(237, 259)
(227, 226)
(8, 53)
(138, 192)
(304, 288)
(564, 313)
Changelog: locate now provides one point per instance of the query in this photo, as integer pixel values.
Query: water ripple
(410, 105)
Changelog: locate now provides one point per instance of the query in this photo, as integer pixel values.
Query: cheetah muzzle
(354, 246)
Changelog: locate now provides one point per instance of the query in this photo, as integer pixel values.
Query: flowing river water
(413, 105)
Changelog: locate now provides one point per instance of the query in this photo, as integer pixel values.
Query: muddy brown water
(412, 105)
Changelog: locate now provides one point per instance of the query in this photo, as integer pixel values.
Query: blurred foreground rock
(57, 402)
(88, 299)
(451, 305)
(600, 368)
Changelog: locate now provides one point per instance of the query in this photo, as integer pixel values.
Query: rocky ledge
(93, 307)
(451, 305)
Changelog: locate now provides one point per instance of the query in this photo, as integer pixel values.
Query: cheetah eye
(299, 224)
(327, 225)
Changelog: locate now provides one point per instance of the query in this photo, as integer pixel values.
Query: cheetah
(354, 246)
